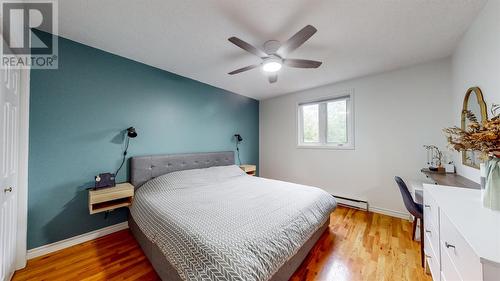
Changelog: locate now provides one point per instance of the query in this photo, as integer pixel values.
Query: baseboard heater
(352, 203)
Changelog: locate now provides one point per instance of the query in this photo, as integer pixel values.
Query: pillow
(225, 171)
(194, 177)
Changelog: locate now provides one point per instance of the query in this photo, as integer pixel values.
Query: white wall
(395, 114)
(476, 62)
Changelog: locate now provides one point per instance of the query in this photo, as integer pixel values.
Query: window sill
(330, 147)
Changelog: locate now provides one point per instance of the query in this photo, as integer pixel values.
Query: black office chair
(416, 210)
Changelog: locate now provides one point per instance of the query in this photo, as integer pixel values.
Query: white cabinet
(462, 239)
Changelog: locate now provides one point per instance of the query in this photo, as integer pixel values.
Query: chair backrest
(410, 205)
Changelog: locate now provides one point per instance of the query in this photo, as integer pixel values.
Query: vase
(491, 197)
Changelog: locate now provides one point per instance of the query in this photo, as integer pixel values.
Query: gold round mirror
(473, 102)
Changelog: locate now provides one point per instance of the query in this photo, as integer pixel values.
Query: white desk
(417, 190)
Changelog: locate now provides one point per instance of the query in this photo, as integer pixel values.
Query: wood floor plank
(357, 246)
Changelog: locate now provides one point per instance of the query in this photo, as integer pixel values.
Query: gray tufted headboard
(144, 168)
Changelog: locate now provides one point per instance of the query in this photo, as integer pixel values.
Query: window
(327, 123)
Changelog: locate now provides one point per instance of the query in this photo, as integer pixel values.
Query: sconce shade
(131, 133)
(238, 138)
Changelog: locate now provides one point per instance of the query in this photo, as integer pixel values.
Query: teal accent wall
(77, 117)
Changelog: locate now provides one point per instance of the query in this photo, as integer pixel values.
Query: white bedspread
(221, 224)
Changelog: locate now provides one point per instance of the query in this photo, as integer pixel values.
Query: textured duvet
(221, 224)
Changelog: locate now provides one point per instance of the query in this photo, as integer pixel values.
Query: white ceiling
(189, 37)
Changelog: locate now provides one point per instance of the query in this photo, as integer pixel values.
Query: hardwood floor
(358, 246)
(364, 246)
(113, 257)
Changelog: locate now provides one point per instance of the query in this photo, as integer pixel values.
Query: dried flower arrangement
(483, 137)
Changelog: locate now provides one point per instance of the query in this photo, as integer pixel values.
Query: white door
(9, 137)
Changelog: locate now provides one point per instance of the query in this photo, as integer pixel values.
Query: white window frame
(348, 95)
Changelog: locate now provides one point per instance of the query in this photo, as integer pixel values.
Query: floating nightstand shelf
(249, 169)
(111, 198)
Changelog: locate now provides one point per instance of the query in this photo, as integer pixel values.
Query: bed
(200, 217)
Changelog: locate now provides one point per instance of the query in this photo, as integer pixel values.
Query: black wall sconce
(108, 179)
(238, 140)
(131, 133)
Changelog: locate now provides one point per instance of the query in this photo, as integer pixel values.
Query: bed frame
(144, 168)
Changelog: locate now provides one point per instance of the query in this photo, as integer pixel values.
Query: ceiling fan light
(271, 66)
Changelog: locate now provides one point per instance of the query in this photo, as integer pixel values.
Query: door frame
(22, 189)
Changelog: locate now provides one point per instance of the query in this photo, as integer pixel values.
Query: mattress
(221, 224)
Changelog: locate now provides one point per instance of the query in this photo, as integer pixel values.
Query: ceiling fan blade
(302, 63)
(273, 78)
(243, 69)
(247, 47)
(297, 40)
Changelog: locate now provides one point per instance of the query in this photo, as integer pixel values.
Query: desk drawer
(432, 258)
(449, 271)
(460, 255)
(431, 234)
(431, 210)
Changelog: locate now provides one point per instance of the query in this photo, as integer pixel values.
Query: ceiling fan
(274, 54)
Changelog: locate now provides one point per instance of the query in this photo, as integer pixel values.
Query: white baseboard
(59, 245)
(392, 213)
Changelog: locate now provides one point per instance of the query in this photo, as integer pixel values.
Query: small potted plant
(485, 138)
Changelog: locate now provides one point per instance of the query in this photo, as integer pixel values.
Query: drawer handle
(427, 206)
(429, 257)
(428, 231)
(449, 245)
